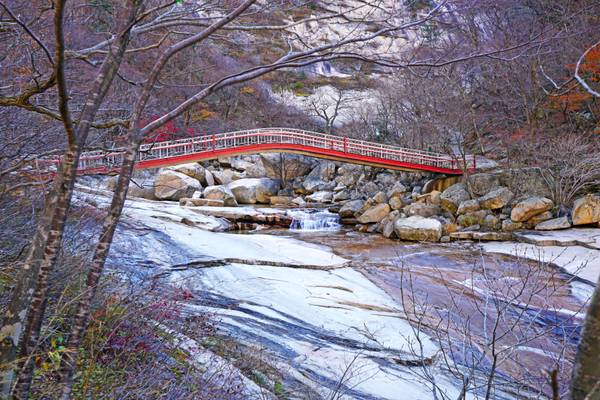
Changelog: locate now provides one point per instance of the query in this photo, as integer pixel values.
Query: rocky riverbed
(333, 309)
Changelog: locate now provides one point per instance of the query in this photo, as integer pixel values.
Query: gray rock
(496, 198)
(220, 192)
(421, 209)
(553, 224)
(173, 185)
(451, 198)
(374, 214)
(483, 183)
(254, 190)
(351, 208)
(397, 190)
(320, 197)
(468, 206)
(417, 228)
(511, 226)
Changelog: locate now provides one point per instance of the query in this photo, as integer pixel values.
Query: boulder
(395, 203)
(173, 185)
(142, 188)
(281, 200)
(417, 228)
(224, 161)
(530, 207)
(386, 226)
(397, 190)
(299, 201)
(369, 188)
(257, 170)
(491, 222)
(434, 197)
(209, 179)
(468, 206)
(545, 216)
(496, 198)
(352, 207)
(451, 198)
(226, 176)
(374, 214)
(341, 196)
(254, 190)
(240, 164)
(293, 165)
(193, 170)
(424, 210)
(553, 224)
(511, 226)
(472, 218)
(323, 196)
(220, 192)
(385, 178)
(483, 183)
(586, 210)
(380, 197)
(324, 171)
(187, 202)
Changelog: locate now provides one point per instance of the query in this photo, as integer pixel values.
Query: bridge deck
(313, 144)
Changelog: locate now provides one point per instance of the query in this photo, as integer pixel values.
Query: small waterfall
(314, 220)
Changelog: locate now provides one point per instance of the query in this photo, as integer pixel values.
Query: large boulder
(173, 185)
(187, 202)
(472, 218)
(374, 214)
(193, 170)
(220, 192)
(468, 206)
(451, 198)
(385, 178)
(553, 224)
(483, 183)
(496, 198)
(397, 190)
(226, 176)
(320, 197)
(586, 210)
(324, 171)
(424, 210)
(350, 209)
(286, 166)
(417, 228)
(254, 190)
(530, 207)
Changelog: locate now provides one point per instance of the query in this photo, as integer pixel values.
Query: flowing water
(314, 220)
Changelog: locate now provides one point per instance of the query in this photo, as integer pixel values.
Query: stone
(254, 190)
(491, 222)
(397, 190)
(496, 198)
(530, 207)
(325, 171)
(293, 165)
(320, 197)
(449, 227)
(299, 201)
(257, 170)
(240, 164)
(511, 226)
(553, 224)
(434, 197)
(445, 239)
(380, 197)
(341, 196)
(173, 185)
(225, 176)
(369, 188)
(187, 202)
(586, 210)
(224, 161)
(424, 210)
(468, 206)
(451, 198)
(385, 178)
(193, 170)
(482, 236)
(220, 192)
(483, 183)
(142, 188)
(545, 216)
(472, 218)
(351, 208)
(417, 228)
(280, 200)
(374, 214)
(209, 179)
(395, 203)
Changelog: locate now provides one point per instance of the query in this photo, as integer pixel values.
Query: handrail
(315, 142)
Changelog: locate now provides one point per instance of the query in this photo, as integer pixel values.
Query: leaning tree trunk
(79, 324)
(585, 384)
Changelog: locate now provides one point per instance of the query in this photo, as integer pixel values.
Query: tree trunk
(585, 384)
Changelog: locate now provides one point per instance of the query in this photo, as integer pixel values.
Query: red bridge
(283, 140)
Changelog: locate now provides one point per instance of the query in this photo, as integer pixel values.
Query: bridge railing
(106, 161)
